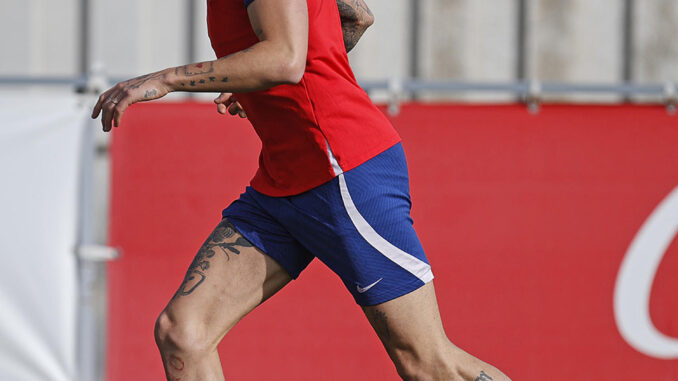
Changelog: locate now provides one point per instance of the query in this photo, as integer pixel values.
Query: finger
(224, 98)
(105, 101)
(97, 107)
(106, 115)
(233, 109)
(117, 113)
(221, 108)
(100, 103)
(107, 111)
(241, 111)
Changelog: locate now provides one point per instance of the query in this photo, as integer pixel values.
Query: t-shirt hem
(346, 165)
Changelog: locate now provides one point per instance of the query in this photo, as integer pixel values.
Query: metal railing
(531, 92)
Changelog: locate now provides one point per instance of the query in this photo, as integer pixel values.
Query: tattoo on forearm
(137, 82)
(483, 377)
(203, 76)
(217, 241)
(195, 69)
(150, 93)
(380, 323)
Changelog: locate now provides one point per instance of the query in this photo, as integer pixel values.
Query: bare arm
(278, 58)
(356, 17)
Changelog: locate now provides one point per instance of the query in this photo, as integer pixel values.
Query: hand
(226, 102)
(115, 101)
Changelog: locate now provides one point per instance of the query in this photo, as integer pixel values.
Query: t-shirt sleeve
(248, 2)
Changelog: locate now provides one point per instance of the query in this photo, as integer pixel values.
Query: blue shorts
(358, 224)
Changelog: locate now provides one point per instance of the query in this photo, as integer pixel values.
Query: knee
(181, 335)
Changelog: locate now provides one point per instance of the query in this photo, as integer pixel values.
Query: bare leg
(227, 279)
(412, 333)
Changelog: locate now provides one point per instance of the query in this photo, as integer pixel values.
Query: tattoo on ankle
(197, 271)
(483, 377)
(381, 325)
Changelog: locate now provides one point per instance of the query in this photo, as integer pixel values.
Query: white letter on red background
(635, 278)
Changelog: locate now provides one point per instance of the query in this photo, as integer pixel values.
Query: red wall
(525, 219)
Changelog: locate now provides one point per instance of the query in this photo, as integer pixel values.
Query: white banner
(40, 149)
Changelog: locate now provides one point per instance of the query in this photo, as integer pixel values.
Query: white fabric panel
(40, 145)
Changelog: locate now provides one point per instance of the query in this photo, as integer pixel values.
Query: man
(332, 183)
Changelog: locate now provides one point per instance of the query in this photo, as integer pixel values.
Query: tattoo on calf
(483, 377)
(197, 271)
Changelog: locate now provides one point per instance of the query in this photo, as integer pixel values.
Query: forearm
(356, 17)
(262, 66)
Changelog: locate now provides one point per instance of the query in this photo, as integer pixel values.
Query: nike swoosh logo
(365, 289)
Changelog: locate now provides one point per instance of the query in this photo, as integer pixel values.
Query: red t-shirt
(304, 127)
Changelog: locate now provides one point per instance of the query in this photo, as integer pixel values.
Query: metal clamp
(97, 80)
(533, 98)
(670, 97)
(97, 253)
(395, 95)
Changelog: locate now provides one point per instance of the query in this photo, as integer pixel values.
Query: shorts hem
(388, 296)
(257, 244)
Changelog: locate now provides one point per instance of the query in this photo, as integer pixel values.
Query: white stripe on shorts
(333, 160)
(412, 264)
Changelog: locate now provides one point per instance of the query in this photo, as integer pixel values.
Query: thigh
(227, 279)
(410, 320)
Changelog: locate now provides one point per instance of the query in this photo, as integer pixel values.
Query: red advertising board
(526, 220)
